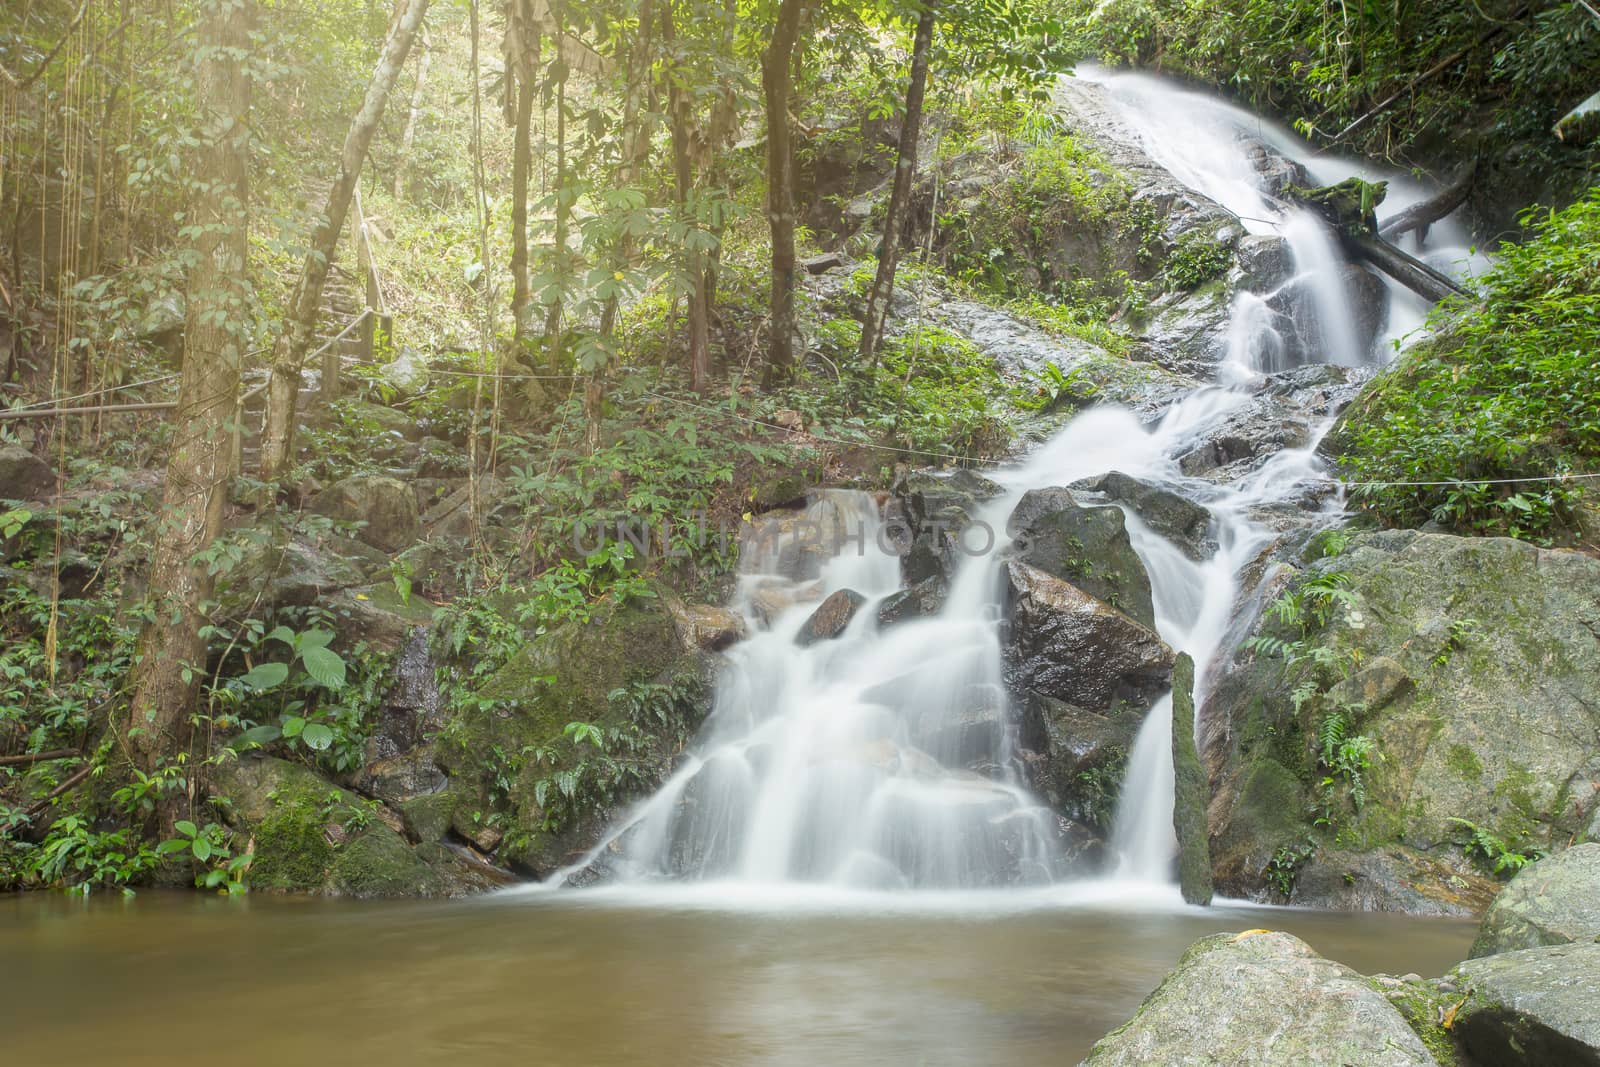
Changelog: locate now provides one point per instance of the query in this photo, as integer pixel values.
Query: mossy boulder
(1086, 546)
(1470, 663)
(311, 836)
(385, 507)
(1553, 902)
(519, 785)
(1263, 998)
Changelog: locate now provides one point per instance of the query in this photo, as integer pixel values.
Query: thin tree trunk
(776, 77)
(171, 650)
(522, 48)
(900, 195)
(289, 351)
(683, 181)
(558, 252)
(635, 154)
(413, 115)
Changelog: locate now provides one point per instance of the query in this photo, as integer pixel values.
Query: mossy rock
(312, 836)
(1470, 663)
(501, 742)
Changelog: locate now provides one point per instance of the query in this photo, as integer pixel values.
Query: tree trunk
(560, 257)
(522, 56)
(905, 169)
(776, 76)
(413, 115)
(171, 655)
(635, 155)
(289, 351)
(683, 181)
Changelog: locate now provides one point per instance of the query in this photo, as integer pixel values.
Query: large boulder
(311, 836)
(1076, 758)
(1064, 643)
(385, 507)
(23, 475)
(1262, 998)
(1189, 792)
(523, 789)
(1087, 546)
(1181, 521)
(936, 507)
(1553, 902)
(1536, 1005)
(1470, 663)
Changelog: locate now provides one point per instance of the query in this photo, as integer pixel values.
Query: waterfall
(846, 762)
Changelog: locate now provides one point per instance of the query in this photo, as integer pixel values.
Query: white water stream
(840, 764)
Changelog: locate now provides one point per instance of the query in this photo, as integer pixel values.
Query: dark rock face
(1191, 793)
(707, 627)
(1076, 758)
(23, 476)
(1553, 902)
(1260, 999)
(831, 618)
(1535, 1005)
(1085, 546)
(921, 601)
(1183, 522)
(936, 508)
(1064, 643)
(386, 506)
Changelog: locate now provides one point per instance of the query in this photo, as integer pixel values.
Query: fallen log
(1407, 270)
(1419, 217)
(1350, 208)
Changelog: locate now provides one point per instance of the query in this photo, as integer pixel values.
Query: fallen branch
(1405, 269)
(76, 779)
(38, 757)
(1420, 216)
(1350, 209)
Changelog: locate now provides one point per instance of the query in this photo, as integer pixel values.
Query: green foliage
(1504, 390)
(1284, 867)
(1197, 258)
(1493, 852)
(593, 765)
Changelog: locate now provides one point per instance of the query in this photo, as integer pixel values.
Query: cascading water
(847, 762)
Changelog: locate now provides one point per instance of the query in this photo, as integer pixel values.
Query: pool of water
(682, 976)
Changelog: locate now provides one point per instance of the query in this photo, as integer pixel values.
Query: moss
(1465, 762)
(291, 849)
(1423, 1008)
(379, 864)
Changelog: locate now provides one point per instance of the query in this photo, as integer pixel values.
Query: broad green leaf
(265, 676)
(202, 849)
(325, 666)
(185, 827)
(317, 736)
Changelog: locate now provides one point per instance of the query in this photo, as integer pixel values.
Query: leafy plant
(1493, 852)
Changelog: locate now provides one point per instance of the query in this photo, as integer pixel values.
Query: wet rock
(1190, 793)
(1298, 308)
(1535, 1005)
(1064, 643)
(1086, 546)
(23, 476)
(706, 626)
(1181, 521)
(937, 507)
(924, 600)
(831, 618)
(1076, 758)
(1260, 999)
(1552, 902)
(1265, 261)
(386, 508)
(401, 778)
